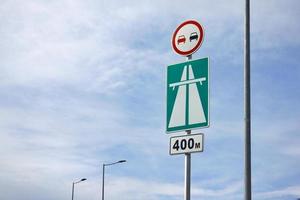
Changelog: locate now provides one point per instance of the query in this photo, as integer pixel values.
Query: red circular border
(187, 53)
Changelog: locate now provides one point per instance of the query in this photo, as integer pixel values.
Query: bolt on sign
(188, 95)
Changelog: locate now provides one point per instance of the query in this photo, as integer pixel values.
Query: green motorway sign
(188, 95)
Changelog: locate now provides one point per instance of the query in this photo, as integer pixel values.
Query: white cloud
(272, 24)
(279, 193)
(136, 189)
(292, 151)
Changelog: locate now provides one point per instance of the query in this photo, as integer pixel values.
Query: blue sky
(83, 82)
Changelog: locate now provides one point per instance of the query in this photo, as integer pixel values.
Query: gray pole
(247, 103)
(187, 174)
(103, 168)
(72, 190)
(73, 184)
(103, 172)
(187, 166)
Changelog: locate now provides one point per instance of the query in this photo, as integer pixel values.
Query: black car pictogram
(194, 36)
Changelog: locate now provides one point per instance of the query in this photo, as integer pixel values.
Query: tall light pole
(247, 103)
(103, 170)
(83, 179)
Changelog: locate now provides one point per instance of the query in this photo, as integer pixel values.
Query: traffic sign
(188, 95)
(186, 144)
(187, 38)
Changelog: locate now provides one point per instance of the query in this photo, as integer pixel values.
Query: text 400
(183, 144)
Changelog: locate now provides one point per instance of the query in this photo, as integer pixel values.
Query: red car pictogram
(181, 39)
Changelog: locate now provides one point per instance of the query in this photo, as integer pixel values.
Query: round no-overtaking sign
(187, 38)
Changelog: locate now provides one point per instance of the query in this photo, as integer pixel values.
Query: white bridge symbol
(187, 99)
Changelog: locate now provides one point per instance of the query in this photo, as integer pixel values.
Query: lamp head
(121, 161)
(84, 179)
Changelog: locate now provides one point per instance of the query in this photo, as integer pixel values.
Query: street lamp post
(103, 170)
(83, 179)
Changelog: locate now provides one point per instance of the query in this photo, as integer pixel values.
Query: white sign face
(186, 144)
(187, 38)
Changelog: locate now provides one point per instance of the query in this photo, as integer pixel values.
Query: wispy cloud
(137, 189)
(293, 191)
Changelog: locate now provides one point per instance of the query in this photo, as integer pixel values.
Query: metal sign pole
(187, 174)
(247, 103)
(187, 166)
(186, 40)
